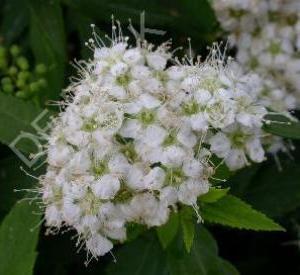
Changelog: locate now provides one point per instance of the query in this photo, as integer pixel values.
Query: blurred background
(38, 39)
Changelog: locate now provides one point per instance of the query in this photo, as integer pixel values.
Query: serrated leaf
(48, 42)
(214, 194)
(282, 126)
(232, 211)
(202, 260)
(167, 232)
(188, 227)
(17, 240)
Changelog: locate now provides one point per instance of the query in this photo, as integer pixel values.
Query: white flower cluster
(266, 34)
(137, 134)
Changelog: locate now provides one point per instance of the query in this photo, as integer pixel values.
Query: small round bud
(8, 88)
(20, 83)
(22, 62)
(34, 87)
(12, 70)
(6, 80)
(22, 94)
(15, 50)
(40, 69)
(42, 82)
(24, 75)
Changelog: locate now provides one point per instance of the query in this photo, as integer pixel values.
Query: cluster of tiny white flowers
(137, 134)
(266, 34)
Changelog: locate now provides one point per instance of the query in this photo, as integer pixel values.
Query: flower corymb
(136, 137)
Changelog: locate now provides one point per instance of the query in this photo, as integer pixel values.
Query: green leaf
(142, 256)
(159, 15)
(167, 232)
(275, 192)
(202, 260)
(228, 268)
(134, 230)
(192, 14)
(14, 21)
(48, 42)
(233, 212)
(82, 24)
(222, 171)
(18, 241)
(282, 126)
(213, 195)
(188, 227)
(15, 117)
(11, 178)
(157, 12)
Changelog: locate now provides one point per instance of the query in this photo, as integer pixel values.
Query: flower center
(190, 108)
(210, 84)
(90, 204)
(129, 152)
(275, 48)
(238, 139)
(170, 139)
(100, 168)
(146, 117)
(123, 80)
(175, 176)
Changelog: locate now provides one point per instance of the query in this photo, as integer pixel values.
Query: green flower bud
(15, 50)
(34, 87)
(40, 69)
(22, 62)
(8, 88)
(12, 70)
(24, 75)
(42, 82)
(21, 83)
(22, 94)
(6, 80)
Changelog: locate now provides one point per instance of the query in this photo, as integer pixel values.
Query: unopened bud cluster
(16, 76)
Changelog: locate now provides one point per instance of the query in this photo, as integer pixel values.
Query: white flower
(133, 56)
(53, 216)
(98, 245)
(58, 155)
(154, 180)
(156, 60)
(236, 144)
(192, 168)
(190, 190)
(106, 187)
